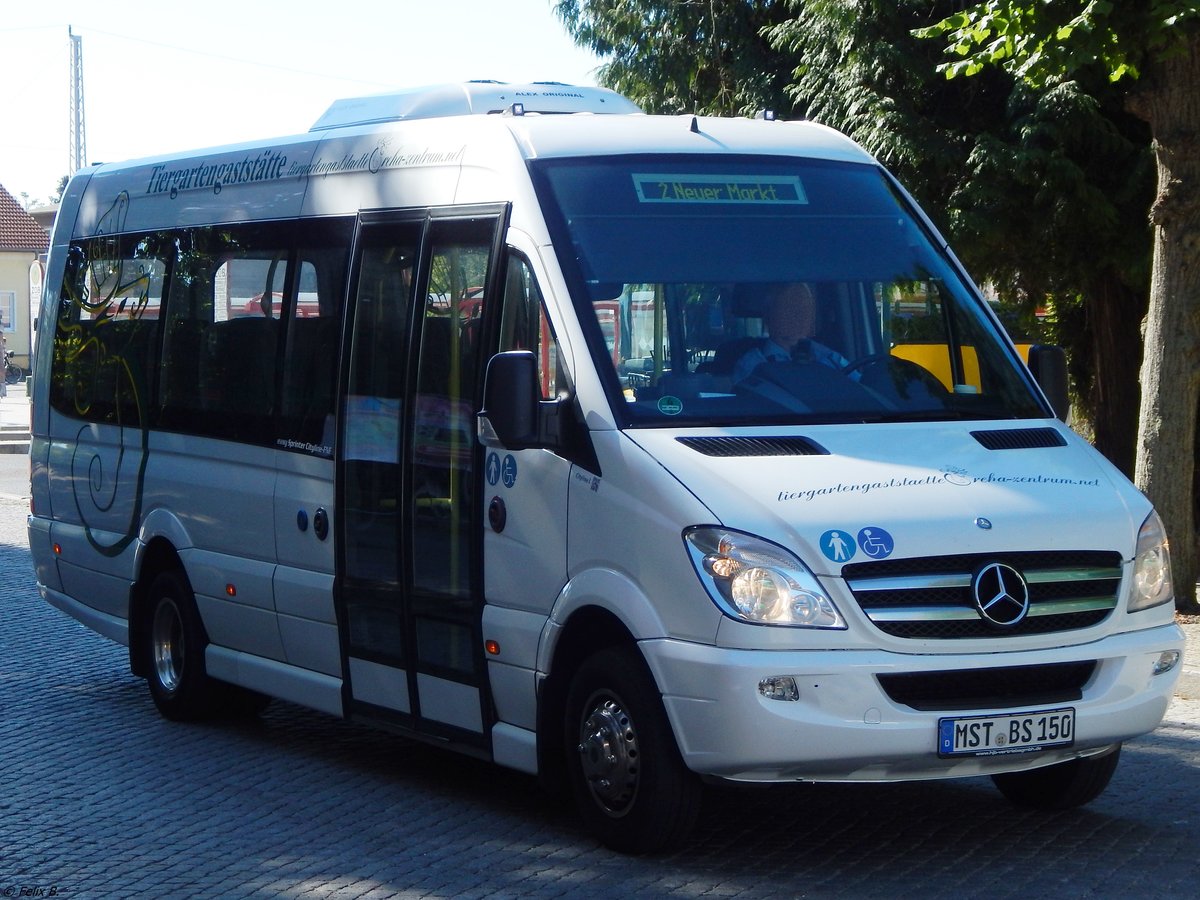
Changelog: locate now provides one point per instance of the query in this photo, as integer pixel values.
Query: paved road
(99, 797)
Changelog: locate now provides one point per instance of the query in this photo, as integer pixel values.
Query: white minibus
(637, 452)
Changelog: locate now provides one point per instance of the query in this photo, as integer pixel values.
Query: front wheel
(1064, 785)
(628, 779)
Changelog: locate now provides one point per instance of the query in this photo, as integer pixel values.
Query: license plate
(995, 735)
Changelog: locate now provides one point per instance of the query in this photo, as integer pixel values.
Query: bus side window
(311, 352)
(222, 333)
(106, 342)
(524, 325)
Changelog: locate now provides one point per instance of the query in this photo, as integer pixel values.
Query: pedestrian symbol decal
(837, 545)
(492, 468)
(876, 543)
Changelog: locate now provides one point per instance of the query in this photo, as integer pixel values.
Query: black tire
(628, 779)
(175, 642)
(1062, 786)
(174, 654)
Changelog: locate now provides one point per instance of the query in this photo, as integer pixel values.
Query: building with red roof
(23, 246)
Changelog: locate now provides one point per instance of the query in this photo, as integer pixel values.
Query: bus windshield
(739, 290)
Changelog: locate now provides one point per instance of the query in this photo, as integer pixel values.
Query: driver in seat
(790, 321)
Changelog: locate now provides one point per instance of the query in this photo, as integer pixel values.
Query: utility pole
(78, 129)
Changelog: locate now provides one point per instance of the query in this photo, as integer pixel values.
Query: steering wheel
(863, 361)
(903, 375)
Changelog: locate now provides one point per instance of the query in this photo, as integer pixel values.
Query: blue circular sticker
(508, 471)
(876, 542)
(492, 468)
(838, 545)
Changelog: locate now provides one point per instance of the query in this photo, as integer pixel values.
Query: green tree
(1042, 192)
(1155, 47)
(684, 56)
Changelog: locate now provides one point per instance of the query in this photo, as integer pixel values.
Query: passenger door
(410, 590)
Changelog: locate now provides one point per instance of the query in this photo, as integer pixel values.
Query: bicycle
(12, 372)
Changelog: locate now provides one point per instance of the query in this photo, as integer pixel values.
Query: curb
(15, 414)
(14, 433)
(1188, 686)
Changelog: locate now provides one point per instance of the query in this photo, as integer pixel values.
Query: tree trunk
(1171, 365)
(1115, 314)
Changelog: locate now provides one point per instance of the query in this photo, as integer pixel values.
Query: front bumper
(844, 727)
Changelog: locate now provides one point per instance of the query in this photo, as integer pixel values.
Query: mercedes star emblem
(1001, 595)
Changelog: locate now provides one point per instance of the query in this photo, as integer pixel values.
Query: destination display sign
(767, 190)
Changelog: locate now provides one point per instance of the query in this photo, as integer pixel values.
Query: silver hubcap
(608, 752)
(166, 636)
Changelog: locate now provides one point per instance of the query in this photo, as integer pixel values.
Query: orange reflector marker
(492, 647)
(231, 590)
(58, 549)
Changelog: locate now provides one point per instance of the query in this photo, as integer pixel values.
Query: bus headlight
(757, 581)
(1151, 566)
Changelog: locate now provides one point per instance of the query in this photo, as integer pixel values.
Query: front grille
(1000, 688)
(931, 597)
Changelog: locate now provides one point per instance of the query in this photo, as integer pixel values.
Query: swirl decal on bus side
(100, 318)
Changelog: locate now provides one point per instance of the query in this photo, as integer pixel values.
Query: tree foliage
(1032, 187)
(1032, 184)
(1155, 45)
(684, 56)
(1043, 192)
(1040, 42)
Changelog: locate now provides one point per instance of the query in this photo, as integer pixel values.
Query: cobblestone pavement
(100, 797)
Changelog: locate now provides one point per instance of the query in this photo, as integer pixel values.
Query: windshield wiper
(922, 415)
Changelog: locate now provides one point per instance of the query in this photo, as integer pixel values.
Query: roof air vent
(472, 98)
(1019, 438)
(754, 446)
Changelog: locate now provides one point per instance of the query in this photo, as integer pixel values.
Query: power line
(240, 60)
(13, 29)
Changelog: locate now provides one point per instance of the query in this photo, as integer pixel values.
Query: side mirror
(510, 400)
(1049, 368)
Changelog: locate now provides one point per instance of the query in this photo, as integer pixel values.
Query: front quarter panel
(625, 545)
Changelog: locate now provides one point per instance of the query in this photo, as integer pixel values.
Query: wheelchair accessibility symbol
(876, 543)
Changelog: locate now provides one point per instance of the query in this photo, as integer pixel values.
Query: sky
(165, 77)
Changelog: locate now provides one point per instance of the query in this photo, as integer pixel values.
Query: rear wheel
(1062, 786)
(629, 781)
(178, 682)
